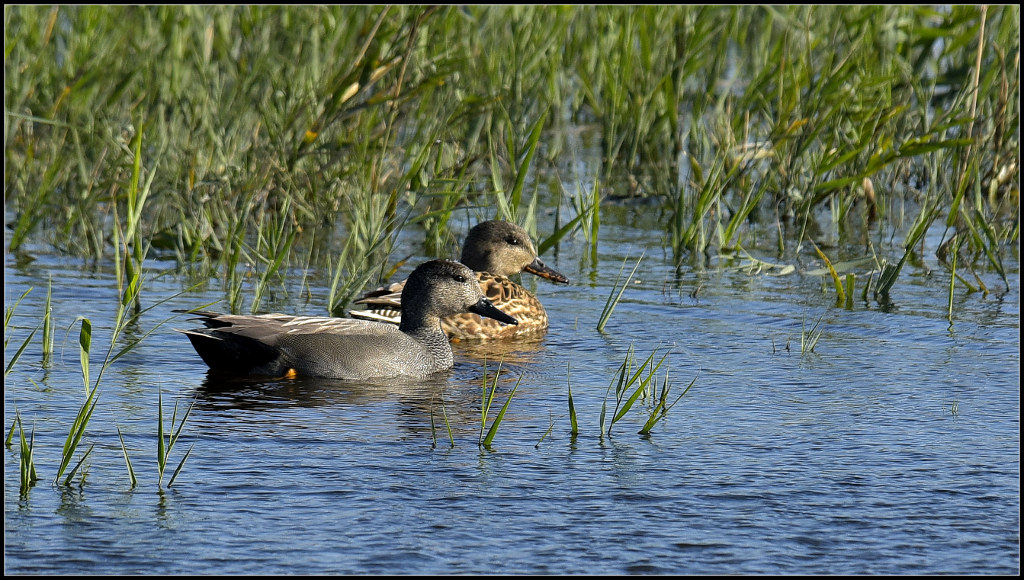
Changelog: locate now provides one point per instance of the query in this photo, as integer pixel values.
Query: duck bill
(485, 308)
(541, 269)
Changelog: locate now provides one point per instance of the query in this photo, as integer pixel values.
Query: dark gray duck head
(441, 288)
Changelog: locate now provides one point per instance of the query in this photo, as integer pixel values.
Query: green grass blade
(48, 324)
(551, 427)
(9, 311)
(17, 355)
(29, 477)
(127, 460)
(808, 340)
(574, 426)
(487, 397)
(658, 416)
(181, 424)
(952, 279)
(836, 281)
(621, 373)
(85, 344)
(990, 248)
(433, 428)
(76, 432)
(10, 434)
(71, 474)
(161, 454)
(558, 234)
(180, 465)
(447, 424)
(501, 414)
(613, 298)
(530, 149)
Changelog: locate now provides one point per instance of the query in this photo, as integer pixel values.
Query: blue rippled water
(892, 448)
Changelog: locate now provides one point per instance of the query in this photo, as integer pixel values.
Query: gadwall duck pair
(495, 250)
(406, 330)
(279, 345)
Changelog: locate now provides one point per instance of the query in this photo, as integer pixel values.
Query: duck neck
(416, 323)
(427, 331)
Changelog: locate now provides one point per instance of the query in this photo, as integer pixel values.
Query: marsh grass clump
(624, 380)
(167, 439)
(27, 467)
(129, 276)
(447, 424)
(809, 337)
(256, 140)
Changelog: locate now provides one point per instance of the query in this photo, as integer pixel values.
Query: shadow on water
(342, 408)
(417, 405)
(475, 362)
(221, 392)
(515, 356)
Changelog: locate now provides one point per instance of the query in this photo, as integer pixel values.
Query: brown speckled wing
(510, 298)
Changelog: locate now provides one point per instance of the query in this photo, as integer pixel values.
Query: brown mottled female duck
(495, 250)
(279, 345)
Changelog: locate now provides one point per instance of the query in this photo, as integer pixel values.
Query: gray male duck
(278, 345)
(495, 250)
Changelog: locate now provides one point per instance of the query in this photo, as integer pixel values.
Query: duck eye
(512, 241)
(459, 278)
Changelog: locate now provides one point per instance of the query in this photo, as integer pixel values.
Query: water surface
(892, 448)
